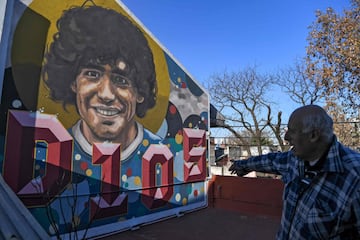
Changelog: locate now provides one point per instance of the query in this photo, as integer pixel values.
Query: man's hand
(238, 169)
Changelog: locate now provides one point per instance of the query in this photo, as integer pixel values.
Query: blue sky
(208, 36)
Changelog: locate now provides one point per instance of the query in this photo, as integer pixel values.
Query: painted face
(302, 147)
(106, 101)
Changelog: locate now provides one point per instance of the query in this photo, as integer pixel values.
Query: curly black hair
(93, 33)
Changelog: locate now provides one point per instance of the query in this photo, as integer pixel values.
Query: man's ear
(315, 135)
(140, 99)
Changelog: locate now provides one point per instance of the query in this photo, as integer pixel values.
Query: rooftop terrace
(239, 208)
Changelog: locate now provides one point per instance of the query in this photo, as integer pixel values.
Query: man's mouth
(109, 112)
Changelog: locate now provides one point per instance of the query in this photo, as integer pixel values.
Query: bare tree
(242, 98)
(330, 71)
(295, 81)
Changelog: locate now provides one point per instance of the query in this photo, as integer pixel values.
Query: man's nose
(105, 90)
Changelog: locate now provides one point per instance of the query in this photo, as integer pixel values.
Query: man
(321, 176)
(101, 62)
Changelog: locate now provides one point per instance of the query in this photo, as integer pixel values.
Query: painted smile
(108, 112)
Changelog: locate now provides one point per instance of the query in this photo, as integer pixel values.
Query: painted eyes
(92, 74)
(117, 79)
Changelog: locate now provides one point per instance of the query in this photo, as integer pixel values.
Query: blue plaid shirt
(319, 204)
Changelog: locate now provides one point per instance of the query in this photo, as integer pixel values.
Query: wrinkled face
(301, 143)
(106, 101)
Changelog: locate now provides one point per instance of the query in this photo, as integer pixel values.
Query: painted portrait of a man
(101, 62)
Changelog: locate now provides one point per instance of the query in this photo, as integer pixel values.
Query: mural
(101, 129)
